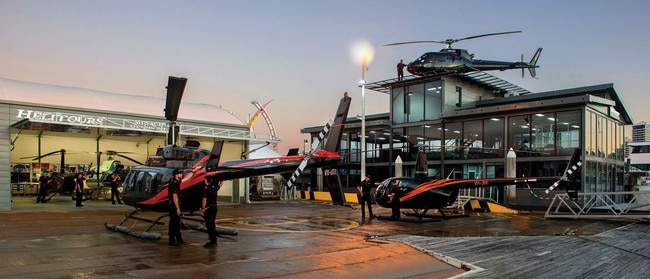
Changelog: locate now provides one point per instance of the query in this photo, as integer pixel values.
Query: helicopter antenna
(450, 173)
(449, 42)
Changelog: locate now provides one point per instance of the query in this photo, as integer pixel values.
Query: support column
(511, 171)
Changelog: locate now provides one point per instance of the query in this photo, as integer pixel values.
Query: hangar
(80, 128)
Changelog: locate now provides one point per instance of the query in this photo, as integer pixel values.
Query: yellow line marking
(257, 224)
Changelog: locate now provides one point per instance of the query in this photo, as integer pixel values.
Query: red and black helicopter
(421, 194)
(145, 187)
(460, 60)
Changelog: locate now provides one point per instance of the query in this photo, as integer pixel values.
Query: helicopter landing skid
(443, 214)
(412, 220)
(129, 230)
(201, 227)
(423, 217)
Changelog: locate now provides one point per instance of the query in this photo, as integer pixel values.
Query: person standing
(115, 193)
(173, 192)
(79, 188)
(364, 191)
(44, 185)
(400, 70)
(209, 209)
(396, 194)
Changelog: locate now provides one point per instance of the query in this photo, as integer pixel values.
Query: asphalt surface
(275, 239)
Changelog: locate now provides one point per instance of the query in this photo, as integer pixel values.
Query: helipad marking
(279, 224)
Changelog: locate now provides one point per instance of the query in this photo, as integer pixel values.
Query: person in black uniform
(173, 192)
(209, 209)
(115, 193)
(364, 191)
(79, 188)
(396, 193)
(400, 70)
(44, 185)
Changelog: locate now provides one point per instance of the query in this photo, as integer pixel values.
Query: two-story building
(466, 123)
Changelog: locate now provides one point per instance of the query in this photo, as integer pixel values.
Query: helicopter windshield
(143, 181)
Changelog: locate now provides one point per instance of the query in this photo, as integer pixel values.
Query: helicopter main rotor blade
(175, 88)
(130, 159)
(478, 36)
(113, 152)
(44, 155)
(414, 42)
(449, 42)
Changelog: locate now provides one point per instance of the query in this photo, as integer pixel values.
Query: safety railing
(601, 205)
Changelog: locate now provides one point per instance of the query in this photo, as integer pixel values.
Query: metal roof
(23, 92)
(483, 78)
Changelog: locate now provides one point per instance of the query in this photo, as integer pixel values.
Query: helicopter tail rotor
(522, 69)
(533, 62)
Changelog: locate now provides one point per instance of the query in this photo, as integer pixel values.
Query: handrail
(599, 205)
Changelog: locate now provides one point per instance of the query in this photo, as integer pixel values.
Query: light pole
(363, 53)
(363, 120)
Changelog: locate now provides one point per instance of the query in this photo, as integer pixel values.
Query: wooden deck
(619, 253)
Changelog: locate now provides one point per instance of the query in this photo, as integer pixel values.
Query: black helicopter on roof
(460, 60)
(422, 194)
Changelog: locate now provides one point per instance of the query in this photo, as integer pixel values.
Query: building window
(459, 96)
(543, 130)
(519, 135)
(432, 100)
(472, 143)
(493, 134)
(453, 140)
(568, 126)
(398, 114)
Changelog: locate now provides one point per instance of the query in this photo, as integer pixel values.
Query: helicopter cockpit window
(412, 183)
(147, 179)
(139, 183)
(128, 181)
(152, 182)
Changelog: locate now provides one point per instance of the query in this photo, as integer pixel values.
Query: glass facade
(604, 151)
(416, 103)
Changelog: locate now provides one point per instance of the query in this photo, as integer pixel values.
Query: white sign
(63, 118)
(90, 120)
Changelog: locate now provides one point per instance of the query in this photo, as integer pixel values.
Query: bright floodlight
(362, 53)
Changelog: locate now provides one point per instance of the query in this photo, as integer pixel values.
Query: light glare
(362, 53)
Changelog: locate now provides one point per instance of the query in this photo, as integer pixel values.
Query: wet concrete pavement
(276, 239)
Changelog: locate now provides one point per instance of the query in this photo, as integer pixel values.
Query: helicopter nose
(415, 69)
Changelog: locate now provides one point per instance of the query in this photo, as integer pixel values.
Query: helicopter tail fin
(533, 62)
(215, 156)
(333, 142)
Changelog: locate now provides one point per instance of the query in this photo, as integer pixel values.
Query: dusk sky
(297, 52)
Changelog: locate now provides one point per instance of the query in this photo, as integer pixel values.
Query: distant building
(641, 132)
(639, 158)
